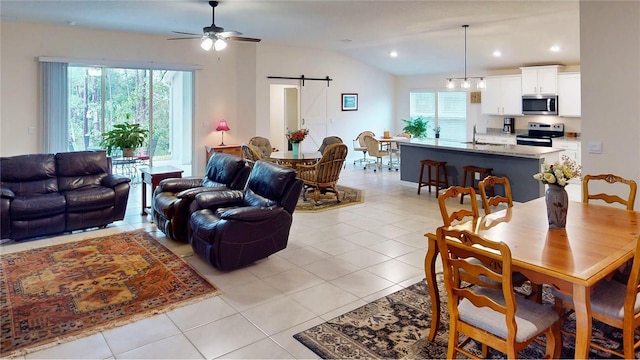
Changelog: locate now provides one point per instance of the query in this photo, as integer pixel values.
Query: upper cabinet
(540, 80)
(569, 96)
(502, 95)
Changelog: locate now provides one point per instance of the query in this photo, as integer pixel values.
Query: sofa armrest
(177, 185)
(250, 213)
(112, 181)
(7, 193)
(218, 199)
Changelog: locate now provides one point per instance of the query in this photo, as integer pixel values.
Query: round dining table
(292, 159)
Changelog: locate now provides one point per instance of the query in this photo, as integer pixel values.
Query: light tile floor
(335, 262)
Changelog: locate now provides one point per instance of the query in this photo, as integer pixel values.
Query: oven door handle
(534, 140)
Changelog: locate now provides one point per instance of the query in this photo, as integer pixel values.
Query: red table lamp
(222, 126)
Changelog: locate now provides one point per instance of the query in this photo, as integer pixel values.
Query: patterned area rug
(397, 326)
(348, 196)
(54, 294)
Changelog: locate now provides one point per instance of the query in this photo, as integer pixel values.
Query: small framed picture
(350, 102)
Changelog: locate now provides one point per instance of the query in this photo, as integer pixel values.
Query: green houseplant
(417, 126)
(125, 136)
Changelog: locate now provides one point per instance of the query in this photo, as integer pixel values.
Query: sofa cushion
(90, 198)
(81, 169)
(29, 174)
(37, 206)
(222, 170)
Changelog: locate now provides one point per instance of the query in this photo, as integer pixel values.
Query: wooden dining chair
(460, 213)
(472, 213)
(615, 304)
(492, 201)
(609, 198)
(482, 302)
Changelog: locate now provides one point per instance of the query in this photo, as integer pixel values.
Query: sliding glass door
(159, 100)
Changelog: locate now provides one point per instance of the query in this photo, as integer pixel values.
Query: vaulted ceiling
(427, 35)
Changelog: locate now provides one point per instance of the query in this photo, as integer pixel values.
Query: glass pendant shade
(206, 44)
(219, 45)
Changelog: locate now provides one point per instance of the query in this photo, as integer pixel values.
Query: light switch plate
(595, 147)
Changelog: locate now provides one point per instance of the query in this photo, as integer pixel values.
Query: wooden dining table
(596, 241)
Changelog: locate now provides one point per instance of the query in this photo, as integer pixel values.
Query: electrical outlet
(477, 176)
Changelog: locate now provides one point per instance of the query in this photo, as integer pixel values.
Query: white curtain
(54, 107)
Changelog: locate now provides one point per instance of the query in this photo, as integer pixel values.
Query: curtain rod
(327, 79)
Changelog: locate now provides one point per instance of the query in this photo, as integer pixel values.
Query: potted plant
(417, 126)
(436, 131)
(125, 136)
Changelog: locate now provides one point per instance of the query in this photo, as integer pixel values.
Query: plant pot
(128, 152)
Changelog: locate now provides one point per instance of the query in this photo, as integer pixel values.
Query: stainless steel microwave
(540, 105)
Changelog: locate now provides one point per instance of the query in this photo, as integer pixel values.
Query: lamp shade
(222, 126)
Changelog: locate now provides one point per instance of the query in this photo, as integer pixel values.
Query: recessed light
(393, 54)
(555, 48)
(497, 53)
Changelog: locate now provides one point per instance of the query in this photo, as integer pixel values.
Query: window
(447, 109)
(80, 102)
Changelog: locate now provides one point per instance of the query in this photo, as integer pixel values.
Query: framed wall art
(349, 102)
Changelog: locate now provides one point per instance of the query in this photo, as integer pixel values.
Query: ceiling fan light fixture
(219, 45)
(206, 44)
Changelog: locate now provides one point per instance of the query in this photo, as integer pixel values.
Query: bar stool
(433, 181)
(472, 171)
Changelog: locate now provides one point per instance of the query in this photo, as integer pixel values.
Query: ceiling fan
(214, 36)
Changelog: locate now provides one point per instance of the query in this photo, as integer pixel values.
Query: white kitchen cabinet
(569, 95)
(540, 80)
(571, 148)
(502, 95)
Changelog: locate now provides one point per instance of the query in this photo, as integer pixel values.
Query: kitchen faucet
(474, 135)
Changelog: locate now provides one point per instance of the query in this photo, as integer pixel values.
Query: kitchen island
(516, 162)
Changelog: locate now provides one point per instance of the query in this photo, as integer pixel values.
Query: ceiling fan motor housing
(212, 29)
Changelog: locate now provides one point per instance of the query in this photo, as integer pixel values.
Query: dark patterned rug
(57, 293)
(348, 196)
(397, 326)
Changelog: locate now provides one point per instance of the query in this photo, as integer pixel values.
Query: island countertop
(524, 151)
(516, 162)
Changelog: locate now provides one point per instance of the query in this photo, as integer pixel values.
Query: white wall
(231, 84)
(375, 89)
(610, 62)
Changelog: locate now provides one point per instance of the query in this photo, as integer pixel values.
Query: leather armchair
(172, 198)
(236, 228)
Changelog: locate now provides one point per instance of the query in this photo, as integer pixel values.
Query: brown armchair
(263, 145)
(323, 175)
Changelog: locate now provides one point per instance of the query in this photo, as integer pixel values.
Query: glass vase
(557, 201)
(295, 147)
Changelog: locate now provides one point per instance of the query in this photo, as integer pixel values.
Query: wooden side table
(152, 176)
(227, 149)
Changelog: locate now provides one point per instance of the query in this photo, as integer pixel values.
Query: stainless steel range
(540, 134)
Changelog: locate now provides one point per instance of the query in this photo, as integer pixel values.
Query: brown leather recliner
(172, 197)
(236, 228)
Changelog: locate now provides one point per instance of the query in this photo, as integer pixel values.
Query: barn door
(313, 113)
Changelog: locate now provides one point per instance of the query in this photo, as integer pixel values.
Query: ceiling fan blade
(185, 33)
(240, 38)
(186, 38)
(226, 34)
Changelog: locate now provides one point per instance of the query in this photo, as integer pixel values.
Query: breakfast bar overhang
(516, 162)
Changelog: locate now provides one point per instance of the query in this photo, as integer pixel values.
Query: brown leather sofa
(47, 194)
(173, 197)
(236, 228)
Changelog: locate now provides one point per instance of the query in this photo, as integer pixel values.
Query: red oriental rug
(57, 293)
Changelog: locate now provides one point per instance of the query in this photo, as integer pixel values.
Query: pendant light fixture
(465, 82)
